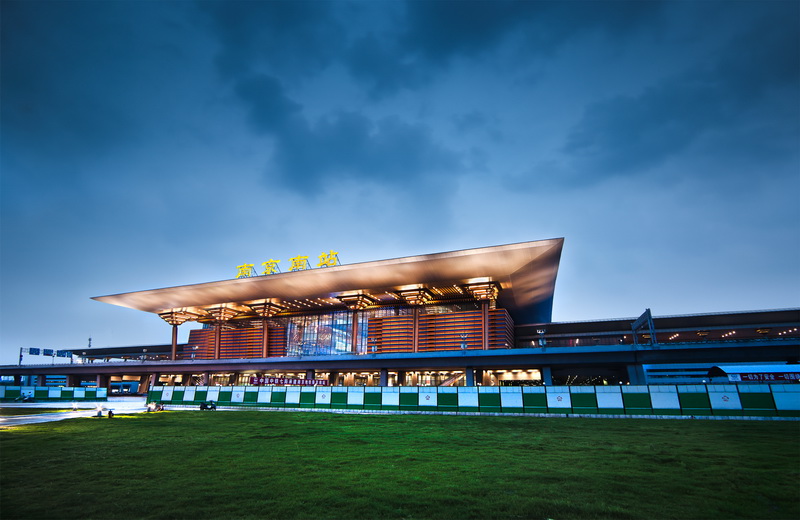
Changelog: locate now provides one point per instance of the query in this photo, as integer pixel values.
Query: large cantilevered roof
(523, 273)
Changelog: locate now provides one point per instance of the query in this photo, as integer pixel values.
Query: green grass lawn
(234, 465)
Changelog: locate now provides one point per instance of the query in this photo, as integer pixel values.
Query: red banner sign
(764, 376)
(284, 381)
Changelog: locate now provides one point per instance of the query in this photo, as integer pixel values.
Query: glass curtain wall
(329, 334)
(318, 334)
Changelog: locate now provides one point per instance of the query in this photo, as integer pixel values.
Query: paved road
(119, 405)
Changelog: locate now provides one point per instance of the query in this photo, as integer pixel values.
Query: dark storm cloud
(434, 34)
(754, 80)
(344, 143)
(296, 39)
(52, 63)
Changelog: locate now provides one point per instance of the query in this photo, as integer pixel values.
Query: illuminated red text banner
(764, 376)
(284, 381)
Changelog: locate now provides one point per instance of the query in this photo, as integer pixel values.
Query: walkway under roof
(521, 277)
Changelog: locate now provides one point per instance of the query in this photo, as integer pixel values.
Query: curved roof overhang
(523, 274)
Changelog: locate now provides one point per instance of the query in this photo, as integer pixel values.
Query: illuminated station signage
(297, 263)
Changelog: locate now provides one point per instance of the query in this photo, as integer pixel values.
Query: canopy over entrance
(520, 277)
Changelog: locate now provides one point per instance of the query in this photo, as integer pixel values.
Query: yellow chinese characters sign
(297, 263)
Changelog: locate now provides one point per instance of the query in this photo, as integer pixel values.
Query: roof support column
(176, 317)
(174, 351)
(265, 338)
(415, 331)
(470, 376)
(547, 375)
(265, 309)
(354, 333)
(144, 384)
(485, 324)
(384, 377)
(217, 338)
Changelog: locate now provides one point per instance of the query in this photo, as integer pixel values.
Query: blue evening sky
(150, 144)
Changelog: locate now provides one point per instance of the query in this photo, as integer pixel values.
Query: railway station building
(462, 318)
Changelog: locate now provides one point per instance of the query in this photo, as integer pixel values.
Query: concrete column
(154, 380)
(265, 339)
(310, 374)
(188, 380)
(144, 384)
(332, 375)
(103, 381)
(173, 355)
(206, 378)
(470, 376)
(354, 333)
(401, 378)
(384, 378)
(73, 381)
(415, 333)
(636, 374)
(234, 377)
(479, 374)
(217, 338)
(547, 376)
(485, 324)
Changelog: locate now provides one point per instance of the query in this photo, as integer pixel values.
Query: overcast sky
(152, 144)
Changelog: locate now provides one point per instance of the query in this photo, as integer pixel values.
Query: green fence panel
(177, 395)
(225, 395)
(489, 399)
(339, 399)
(409, 398)
(637, 403)
(307, 399)
(12, 392)
(67, 393)
(372, 400)
(40, 393)
(277, 399)
(251, 396)
(200, 395)
(757, 403)
(694, 400)
(447, 399)
(534, 400)
(584, 401)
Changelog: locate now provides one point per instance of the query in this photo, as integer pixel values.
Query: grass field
(232, 465)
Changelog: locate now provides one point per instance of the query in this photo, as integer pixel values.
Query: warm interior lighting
(357, 301)
(266, 308)
(484, 291)
(178, 316)
(415, 296)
